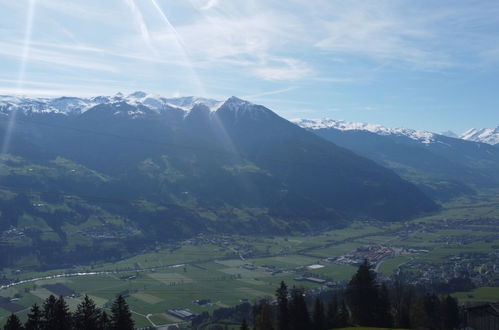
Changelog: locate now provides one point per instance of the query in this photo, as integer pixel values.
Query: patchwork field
(214, 268)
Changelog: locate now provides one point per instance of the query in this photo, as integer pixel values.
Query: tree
(450, 313)
(62, 315)
(402, 300)
(263, 316)
(419, 315)
(104, 321)
(300, 319)
(34, 321)
(244, 325)
(383, 313)
(282, 307)
(49, 314)
(433, 306)
(87, 315)
(319, 316)
(121, 318)
(332, 313)
(343, 315)
(362, 295)
(13, 323)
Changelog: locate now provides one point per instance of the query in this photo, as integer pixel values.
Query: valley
(224, 270)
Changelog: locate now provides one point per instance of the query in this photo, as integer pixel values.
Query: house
(183, 314)
(202, 302)
(481, 316)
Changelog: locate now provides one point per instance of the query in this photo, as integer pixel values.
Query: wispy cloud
(382, 32)
(273, 92)
(57, 58)
(286, 69)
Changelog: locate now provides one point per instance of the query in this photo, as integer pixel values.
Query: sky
(425, 64)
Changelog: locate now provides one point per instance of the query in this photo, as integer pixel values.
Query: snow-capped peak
(187, 102)
(484, 135)
(314, 124)
(63, 105)
(236, 103)
(76, 105)
(137, 94)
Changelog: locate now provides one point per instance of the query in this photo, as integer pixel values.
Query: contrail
(21, 74)
(139, 20)
(167, 21)
(182, 48)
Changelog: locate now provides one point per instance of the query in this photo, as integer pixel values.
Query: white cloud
(204, 4)
(382, 31)
(56, 58)
(284, 69)
(273, 92)
(229, 40)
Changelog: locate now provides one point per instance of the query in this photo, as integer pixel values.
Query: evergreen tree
(263, 316)
(419, 315)
(62, 314)
(13, 323)
(244, 325)
(87, 315)
(403, 298)
(343, 315)
(49, 313)
(104, 321)
(384, 314)
(319, 316)
(300, 319)
(450, 313)
(433, 310)
(121, 318)
(282, 307)
(332, 313)
(362, 295)
(34, 321)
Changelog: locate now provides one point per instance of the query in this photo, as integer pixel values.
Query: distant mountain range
(113, 173)
(232, 152)
(442, 166)
(485, 135)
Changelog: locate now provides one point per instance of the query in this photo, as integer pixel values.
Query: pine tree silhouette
(87, 315)
(121, 318)
(244, 325)
(104, 321)
(263, 316)
(343, 315)
(319, 316)
(450, 313)
(332, 313)
(362, 295)
(49, 313)
(34, 321)
(384, 315)
(282, 307)
(300, 319)
(13, 323)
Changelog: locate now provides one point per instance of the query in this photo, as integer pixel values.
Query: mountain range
(115, 173)
(485, 135)
(443, 167)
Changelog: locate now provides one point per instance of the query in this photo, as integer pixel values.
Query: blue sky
(430, 65)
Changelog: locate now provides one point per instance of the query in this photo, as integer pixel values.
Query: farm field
(226, 270)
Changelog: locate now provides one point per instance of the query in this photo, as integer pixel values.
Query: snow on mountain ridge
(314, 124)
(484, 135)
(76, 105)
